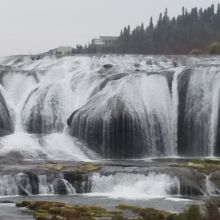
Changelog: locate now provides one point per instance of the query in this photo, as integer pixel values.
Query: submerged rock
(107, 66)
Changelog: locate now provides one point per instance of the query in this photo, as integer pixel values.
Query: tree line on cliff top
(195, 31)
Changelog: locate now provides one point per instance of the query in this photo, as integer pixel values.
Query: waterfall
(214, 121)
(198, 109)
(135, 186)
(31, 184)
(12, 82)
(117, 184)
(159, 108)
(69, 188)
(8, 186)
(139, 107)
(46, 109)
(200, 112)
(211, 188)
(111, 106)
(44, 187)
(55, 146)
(38, 107)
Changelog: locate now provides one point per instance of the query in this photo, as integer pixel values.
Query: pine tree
(196, 29)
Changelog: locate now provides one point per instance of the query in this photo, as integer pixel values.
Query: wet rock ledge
(194, 177)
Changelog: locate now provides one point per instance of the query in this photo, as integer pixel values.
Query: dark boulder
(107, 66)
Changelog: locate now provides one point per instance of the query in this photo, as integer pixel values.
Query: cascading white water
(43, 104)
(144, 105)
(56, 186)
(214, 115)
(159, 111)
(44, 187)
(21, 184)
(135, 95)
(8, 186)
(12, 82)
(50, 102)
(134, 186)
(129, 108)
(69, 188)
(202, 109)
(55, 146)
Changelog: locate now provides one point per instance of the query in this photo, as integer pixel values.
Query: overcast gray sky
(32, 26)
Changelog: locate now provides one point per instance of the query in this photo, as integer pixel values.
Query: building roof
(98, 41)
(104, 41)
(108, 37)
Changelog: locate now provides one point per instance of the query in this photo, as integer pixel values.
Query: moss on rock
(145, 213)
(44, 210)
(206, 166)
(87, 168)
(78, 168)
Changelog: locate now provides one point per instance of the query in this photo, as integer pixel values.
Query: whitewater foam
(134, 186)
